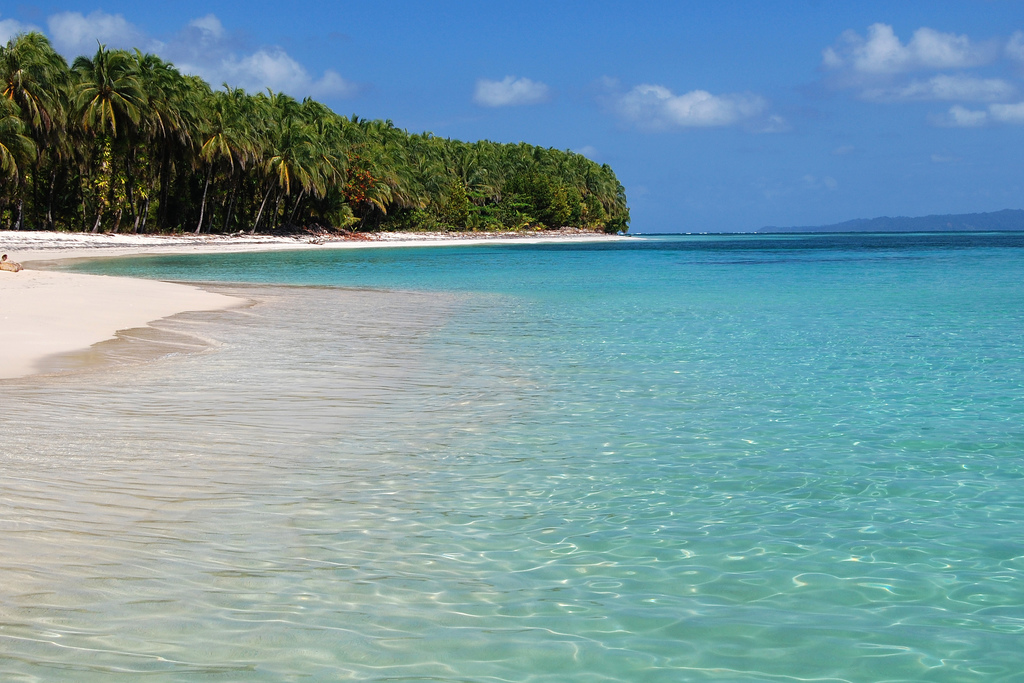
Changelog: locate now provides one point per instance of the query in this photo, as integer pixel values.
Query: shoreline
(45, 312)
(32, 247)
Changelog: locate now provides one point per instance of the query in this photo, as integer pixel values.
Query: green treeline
(122, 141)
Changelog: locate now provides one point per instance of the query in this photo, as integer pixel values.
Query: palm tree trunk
(35, 189)
(213, 213)
(259, 215)
(165, 185)
(50, 198)
(21, 213)
(231, 205)
(277, 207)
(145, 215)
(295, 209)
(202, 206)
(129, 187)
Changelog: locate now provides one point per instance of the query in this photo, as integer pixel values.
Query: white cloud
(961, 117)
(202, 48)
(942, 87)
(1007, 113)
(74, 34)
(270, 68)
(656, 107)
(588, 151)
(12, 27)
(209, 25)
(882, 52)
(773, 124)
(510, 91)
(1015, 46)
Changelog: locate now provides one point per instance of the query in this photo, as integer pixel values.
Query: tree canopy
(122, 141)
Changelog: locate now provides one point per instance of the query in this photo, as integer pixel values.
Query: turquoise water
(707, 458)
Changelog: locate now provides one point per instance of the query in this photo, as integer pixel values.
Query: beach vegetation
(122, 141)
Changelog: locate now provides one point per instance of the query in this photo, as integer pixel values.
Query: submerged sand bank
(45, 313)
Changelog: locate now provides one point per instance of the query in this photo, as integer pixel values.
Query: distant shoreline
(828, 232)
(1007, 220)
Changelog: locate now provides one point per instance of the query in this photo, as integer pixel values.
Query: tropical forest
(121, 141)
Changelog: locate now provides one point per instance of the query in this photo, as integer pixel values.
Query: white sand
(43, 313)
(46, 246)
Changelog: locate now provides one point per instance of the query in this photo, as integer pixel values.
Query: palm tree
(167, 123)
(109, 99)
(229, 140)
(35, 78)
(17, 149)
(109, 92)
(294, 156)
(122, 130)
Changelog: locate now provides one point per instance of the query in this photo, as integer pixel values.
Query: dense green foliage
(123, 141)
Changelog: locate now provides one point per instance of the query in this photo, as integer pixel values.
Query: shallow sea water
(740, 458)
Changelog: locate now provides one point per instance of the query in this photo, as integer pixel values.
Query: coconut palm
(35, 77)
(122, 131)
(229, 139)
(17, 149)
(109, 100)
(109, 96)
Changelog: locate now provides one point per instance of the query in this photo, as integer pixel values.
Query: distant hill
(1005, 220)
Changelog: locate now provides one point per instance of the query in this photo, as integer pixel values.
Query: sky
(716, 116)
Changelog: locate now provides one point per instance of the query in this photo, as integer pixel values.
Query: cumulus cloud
(656, 107)
(879, 67)
(957, 88)
(12, 27)
(270, 68)
(209, 25)
(203, 48)
(882, 52)
(510, 91)
(962, 117)
(73, 33)
(1007, 113)
(1015, 46)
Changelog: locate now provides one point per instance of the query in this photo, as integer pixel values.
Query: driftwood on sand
(9, 265)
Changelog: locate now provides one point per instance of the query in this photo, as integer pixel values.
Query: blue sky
(716, 116)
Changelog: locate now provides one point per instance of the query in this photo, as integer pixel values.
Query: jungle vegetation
(122, 141)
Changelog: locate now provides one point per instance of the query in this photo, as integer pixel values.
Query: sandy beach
(45, 312)
(38, 246)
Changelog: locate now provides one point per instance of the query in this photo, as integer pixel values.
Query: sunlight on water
(701, 460)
